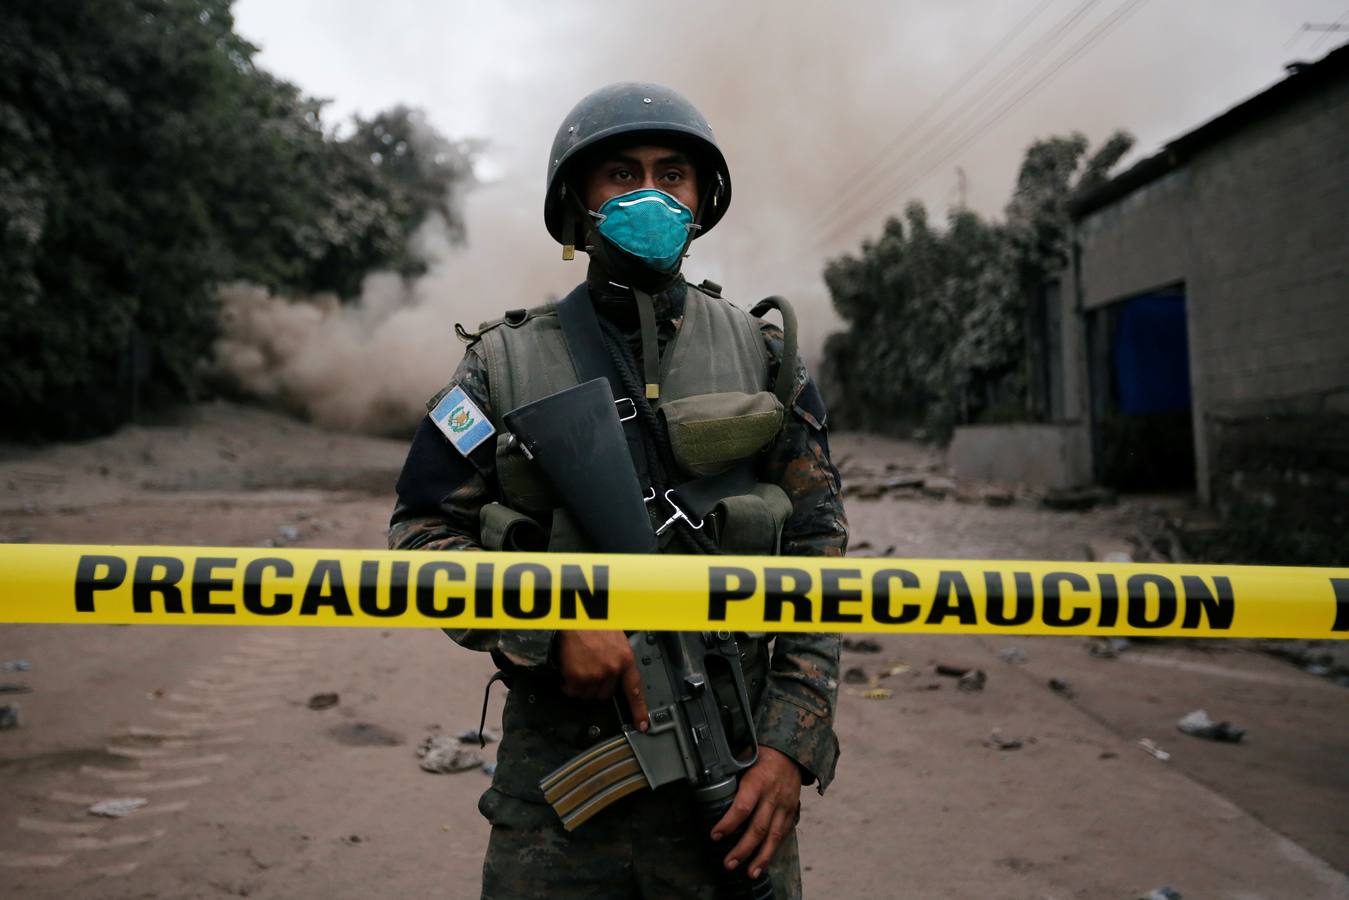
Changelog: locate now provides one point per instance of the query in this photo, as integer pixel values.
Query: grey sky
(801, 94)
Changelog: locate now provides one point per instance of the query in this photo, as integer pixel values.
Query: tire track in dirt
(58, 846)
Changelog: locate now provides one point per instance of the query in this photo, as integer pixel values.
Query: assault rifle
(577, 438)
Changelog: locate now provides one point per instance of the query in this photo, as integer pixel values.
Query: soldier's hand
(594, 663)
(769, 798)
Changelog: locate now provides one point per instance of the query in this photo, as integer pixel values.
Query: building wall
(1256, 226)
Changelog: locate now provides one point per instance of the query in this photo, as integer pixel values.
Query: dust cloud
(801, 97)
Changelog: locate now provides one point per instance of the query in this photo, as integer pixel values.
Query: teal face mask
(648, 224)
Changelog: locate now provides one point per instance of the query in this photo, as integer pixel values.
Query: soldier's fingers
(782, 825)
(754, 835)
(746, 799)
(632, 692)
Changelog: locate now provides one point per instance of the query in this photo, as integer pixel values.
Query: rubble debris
(1151, 747)
(1200, 725)
(861, 645)
(893, 671)
(1078, 499)
(441, 755)
(489, 768)
(968, 679)
(15, 688)
(1062, 688)
(972, 681)
(288, 532)
(117, 807)
(473, 736)
(856, 675)
(1161, 893)
(998, 497)
(1108, 754)
(877, 694)
(999, 742)
(871, 553)
(9, 716)
(938, 487)
(1107, 648)
(323, 701)
(1012, 655)
(15, 665)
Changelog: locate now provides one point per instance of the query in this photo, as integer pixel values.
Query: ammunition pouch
(710, 433)
(505, 529)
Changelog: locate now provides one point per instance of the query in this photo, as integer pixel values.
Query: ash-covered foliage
(937, 318)
(144, 160)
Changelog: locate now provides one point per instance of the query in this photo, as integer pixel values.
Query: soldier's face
(646, 166)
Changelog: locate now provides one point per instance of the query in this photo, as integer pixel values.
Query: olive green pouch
(709, 433)
(523, 484)
(752, 523)
(505, 529)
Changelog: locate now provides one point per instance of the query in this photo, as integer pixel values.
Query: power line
(1005, 79)
(1098, 33)
(878, 161)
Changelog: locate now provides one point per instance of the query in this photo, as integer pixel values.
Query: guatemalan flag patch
(459, 418)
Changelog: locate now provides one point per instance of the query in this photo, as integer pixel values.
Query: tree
(144, 160)
(937, 320)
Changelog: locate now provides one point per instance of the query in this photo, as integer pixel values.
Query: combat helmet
(631, 108)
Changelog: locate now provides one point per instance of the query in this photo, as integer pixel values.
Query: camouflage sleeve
(797, 713)
(440, 496)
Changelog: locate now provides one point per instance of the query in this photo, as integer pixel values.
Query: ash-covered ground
(1018, 790)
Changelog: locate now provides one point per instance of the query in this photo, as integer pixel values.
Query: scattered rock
(1149, 746)
(951, 671)
(1062, 688)
(1012, 655)
(999, 742)
(1200, 725)
(323, 701)
(15, 688)
(473, 736)
(861, 645)
(893, 671)
(9, 716)
(856, 675)
(1108, 754)
(441, 755)
(288, 532)
(972, 681)
(15, 665)
(877, 694)
(489, 768)
(118, 807)
(938, 487)
(1107, 648)
(998, 497)
(1161, 893)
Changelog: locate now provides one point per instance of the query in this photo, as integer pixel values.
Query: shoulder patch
(460, 420)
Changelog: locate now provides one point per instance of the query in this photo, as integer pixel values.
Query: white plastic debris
(117, 808)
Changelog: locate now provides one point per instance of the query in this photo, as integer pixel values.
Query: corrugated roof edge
(1305, 79)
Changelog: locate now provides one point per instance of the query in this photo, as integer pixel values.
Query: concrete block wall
(1256, 226)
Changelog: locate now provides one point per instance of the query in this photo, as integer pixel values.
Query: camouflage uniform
(646, 845)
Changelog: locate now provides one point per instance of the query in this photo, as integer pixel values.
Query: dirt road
(252, 793)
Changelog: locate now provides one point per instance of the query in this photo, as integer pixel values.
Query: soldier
(636, 174)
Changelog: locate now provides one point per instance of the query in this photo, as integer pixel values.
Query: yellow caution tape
(368, 588)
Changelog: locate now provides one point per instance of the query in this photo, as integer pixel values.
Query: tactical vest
(713, 396)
